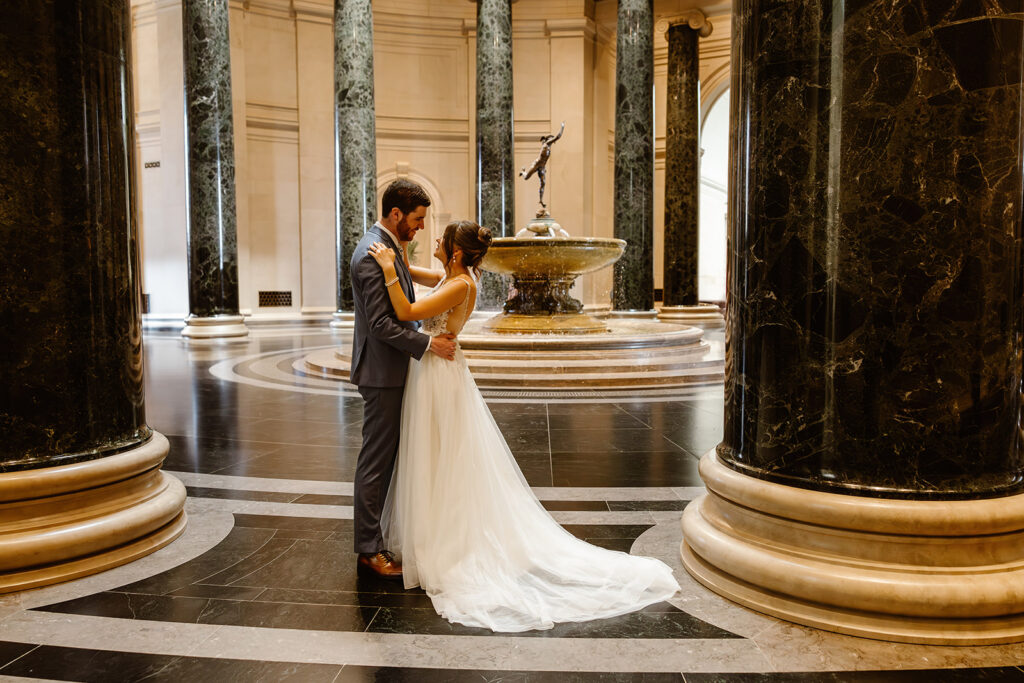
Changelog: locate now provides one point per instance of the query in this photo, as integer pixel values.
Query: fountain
(542, 340)
(543, 269)
(543, 262)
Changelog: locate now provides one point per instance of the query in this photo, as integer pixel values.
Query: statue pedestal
(542, 226)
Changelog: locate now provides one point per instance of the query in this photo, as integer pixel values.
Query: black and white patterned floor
(262, 585)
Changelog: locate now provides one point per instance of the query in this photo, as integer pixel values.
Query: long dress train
(469, 530)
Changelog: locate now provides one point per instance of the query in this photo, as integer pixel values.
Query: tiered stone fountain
(543, 262)
(543, 340)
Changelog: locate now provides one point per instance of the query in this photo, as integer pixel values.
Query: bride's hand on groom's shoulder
(382, 254)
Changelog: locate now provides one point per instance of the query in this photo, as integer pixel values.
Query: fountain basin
(543, 270)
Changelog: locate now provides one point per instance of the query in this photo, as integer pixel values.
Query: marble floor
(262, 585)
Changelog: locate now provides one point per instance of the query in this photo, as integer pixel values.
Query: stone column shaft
(633, 288)
(495, 186)
(355, 131)
(69, 281)
(870, 478)
(682, 167)
(875, 279)
(210, 161)
(76, 454)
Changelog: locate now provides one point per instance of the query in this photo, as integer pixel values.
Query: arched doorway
(421, 248)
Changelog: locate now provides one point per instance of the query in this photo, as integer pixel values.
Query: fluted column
(72, 416)
(495, 186)
(682, 173)
(355, 143)
(210, 162)
(872, 456)
(633, 288)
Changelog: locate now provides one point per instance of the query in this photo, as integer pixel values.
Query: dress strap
(469, 288)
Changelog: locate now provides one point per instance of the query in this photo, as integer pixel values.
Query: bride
(460, 515)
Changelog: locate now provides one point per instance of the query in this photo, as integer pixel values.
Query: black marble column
(212, 223)
(495, 188)
(71, 367)
(355, 135)
(875, 288)
(633, 288)
(682, 167)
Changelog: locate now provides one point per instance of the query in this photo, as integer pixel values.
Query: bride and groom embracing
(439, 499)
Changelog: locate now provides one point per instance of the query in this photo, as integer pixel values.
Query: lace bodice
(438, 324)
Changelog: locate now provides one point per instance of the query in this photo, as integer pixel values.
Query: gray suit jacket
(381, 343)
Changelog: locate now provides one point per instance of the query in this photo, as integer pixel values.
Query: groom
(381, 347)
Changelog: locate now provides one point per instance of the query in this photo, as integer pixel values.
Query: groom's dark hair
(404, 194)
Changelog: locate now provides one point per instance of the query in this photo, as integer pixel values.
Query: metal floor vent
(270, 299)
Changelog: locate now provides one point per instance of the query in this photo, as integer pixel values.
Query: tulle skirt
(468, 529)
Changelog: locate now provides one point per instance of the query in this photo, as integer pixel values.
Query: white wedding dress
(468, 529)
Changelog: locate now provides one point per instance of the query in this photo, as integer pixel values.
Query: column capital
(695, 19)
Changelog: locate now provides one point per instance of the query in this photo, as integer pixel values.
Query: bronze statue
(539, 166)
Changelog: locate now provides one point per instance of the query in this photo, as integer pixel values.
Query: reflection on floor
(262, 586)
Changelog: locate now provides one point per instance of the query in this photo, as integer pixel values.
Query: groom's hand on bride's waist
(444, 346)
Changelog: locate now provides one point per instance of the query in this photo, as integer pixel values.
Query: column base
(61, 523)
(914, 571)
(633, 315)
(701, 315)
(215, 327)
(342, 321)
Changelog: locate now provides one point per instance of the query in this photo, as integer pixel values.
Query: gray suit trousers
(382, 418)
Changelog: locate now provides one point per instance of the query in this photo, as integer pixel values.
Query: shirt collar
(393, 236)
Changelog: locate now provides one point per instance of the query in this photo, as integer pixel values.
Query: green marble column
(633, 289)
(495, 188)
(210, 163)
(355, 136)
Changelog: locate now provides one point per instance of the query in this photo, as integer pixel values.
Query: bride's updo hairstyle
(471, 238)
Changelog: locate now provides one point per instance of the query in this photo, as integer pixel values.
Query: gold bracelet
(391, 282)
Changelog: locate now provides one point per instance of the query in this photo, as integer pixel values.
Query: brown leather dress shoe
(382, 564)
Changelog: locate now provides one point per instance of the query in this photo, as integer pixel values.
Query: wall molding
(282, 9)
(435, 27)
(271, 117)
(420, 128)
(580, 27)
(143, 13)
(314, 11)
(147, 126)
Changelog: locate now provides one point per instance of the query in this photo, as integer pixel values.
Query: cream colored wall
(424, 68)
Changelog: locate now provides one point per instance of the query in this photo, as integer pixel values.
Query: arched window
(714, 178)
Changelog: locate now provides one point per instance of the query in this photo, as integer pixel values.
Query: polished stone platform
(634, 354)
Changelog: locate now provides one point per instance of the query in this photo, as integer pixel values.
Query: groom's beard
(404, 232)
